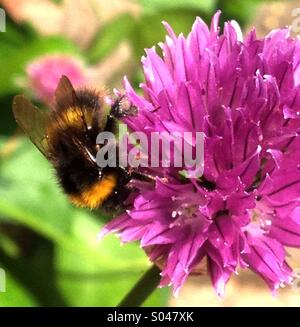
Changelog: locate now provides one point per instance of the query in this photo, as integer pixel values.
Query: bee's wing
(65, 94)
(33, 122)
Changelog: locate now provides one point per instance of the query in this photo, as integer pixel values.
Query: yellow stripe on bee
(97, 194)
(71, 117)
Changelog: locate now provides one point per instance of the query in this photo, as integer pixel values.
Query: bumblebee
(66, 136)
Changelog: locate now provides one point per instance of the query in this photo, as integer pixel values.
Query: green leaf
(16, 294)
(109, 37)
(88, 272)
(14, 59)
(85, 281)
(8, 245)
(16, 34)
(149, 30)
(36, 272)
(160, 297)
(30, 195)
(241, 11)
(157, 5)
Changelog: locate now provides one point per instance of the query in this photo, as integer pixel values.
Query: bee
(66, 136)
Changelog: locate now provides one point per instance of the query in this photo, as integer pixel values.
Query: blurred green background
(48, 248)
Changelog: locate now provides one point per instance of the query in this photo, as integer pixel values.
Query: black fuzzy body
(70, 143)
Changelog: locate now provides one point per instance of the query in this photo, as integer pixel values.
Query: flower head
(44, 74)
(244, 95)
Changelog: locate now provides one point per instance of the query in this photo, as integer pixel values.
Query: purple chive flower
(44, 74)
(244, 94)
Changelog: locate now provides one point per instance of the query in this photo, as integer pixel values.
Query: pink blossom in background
(244, 94)
(45, 72)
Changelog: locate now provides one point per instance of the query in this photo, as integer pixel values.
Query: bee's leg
(141, 176)
(119, 109)
(130, 173)
(122, 108)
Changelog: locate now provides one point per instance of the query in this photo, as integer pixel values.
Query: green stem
(142, 289)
